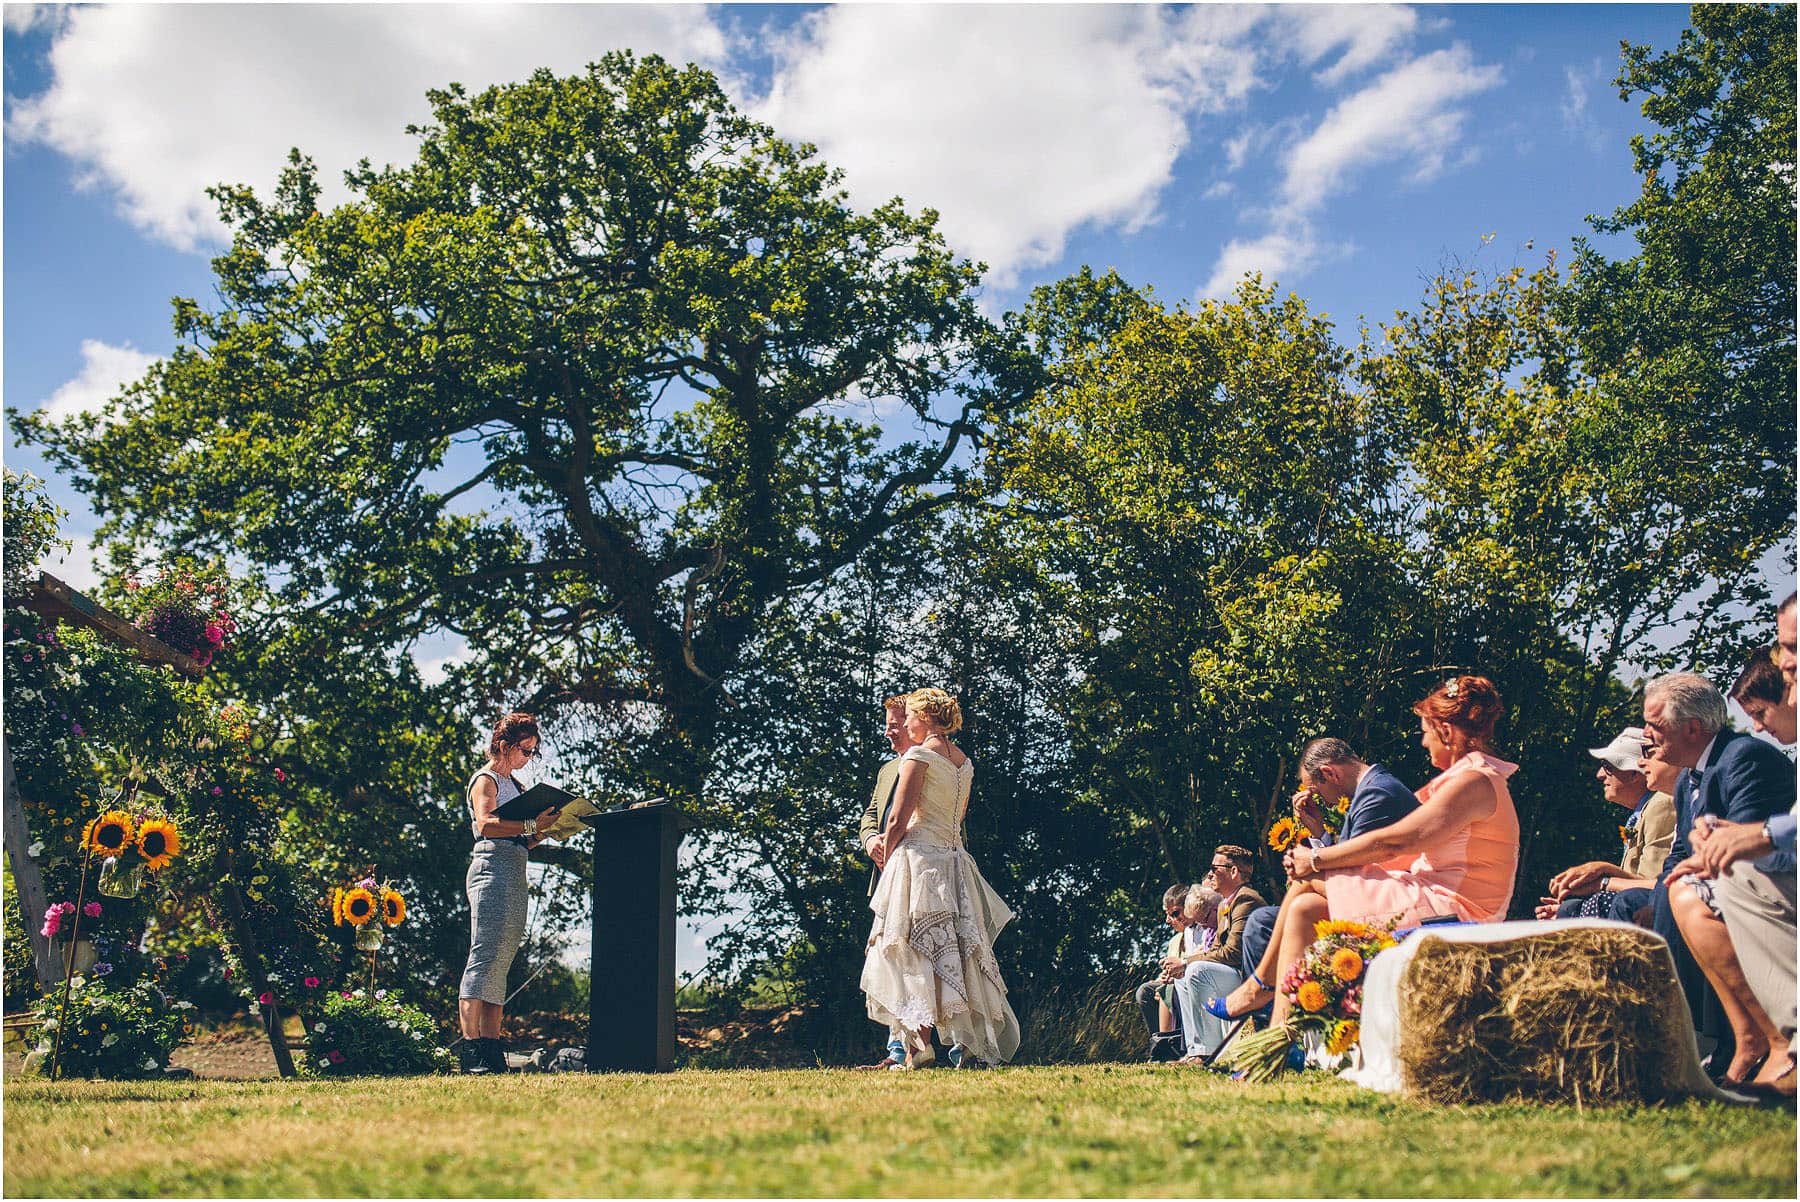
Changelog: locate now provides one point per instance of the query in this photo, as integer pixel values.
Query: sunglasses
(527, 752)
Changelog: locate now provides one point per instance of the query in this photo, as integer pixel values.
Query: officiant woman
(499, 899)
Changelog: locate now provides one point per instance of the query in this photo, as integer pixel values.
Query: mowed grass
(1091, 1130)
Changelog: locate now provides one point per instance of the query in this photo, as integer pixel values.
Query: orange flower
(1312, 996)
(1284, 834)
(1346, 965)
(359, 906)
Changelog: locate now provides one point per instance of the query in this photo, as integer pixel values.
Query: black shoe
(469, 1057)
(494, 1055)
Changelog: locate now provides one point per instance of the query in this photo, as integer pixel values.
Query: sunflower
(337, 907)
(110, 834)
(359, 906)
(1346, 964)
(393, 907)
(1284, 834)
(1344, 1033)
(1356, 930)
(1311, 996)
(158, 842)
(1343, 804)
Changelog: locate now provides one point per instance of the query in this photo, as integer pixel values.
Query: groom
(874, 822)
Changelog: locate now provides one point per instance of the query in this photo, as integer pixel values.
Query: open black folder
(534, 801)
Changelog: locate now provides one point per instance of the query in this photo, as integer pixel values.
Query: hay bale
(1582, 1016)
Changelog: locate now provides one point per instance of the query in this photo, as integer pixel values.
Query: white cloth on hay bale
(1377, 1065)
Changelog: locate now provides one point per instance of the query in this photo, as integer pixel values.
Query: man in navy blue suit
(1728, 775)
(1329, 768)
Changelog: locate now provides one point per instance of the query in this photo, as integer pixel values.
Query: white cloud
(433, 669)
(157, 102)
(1577, 117)
(105, 369)
(23, 18)
(1017, 123)
(1408, 113)
(1366, 33)
(76, 567)
(1278, 255)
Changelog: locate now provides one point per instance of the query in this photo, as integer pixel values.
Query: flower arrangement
(368, 906)
(130, 844)
(1285, 833)
(116, 1032)
(184, 607)
(371, 1031)
(1325, 986)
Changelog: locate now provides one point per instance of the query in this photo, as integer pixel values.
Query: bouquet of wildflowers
(184, 607)
(1285, 833)
(1325, 985)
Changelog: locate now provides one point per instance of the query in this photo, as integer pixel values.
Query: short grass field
(1091, 1130)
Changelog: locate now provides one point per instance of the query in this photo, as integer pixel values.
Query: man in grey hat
(1589, 890)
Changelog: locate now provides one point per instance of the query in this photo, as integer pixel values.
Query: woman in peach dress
(1455, 856)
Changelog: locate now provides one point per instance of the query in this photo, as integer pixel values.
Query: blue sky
(1348, 152)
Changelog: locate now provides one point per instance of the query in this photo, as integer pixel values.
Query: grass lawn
(1095, 1129)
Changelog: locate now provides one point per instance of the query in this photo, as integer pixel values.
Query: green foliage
(110, 1029)
(30, 529)
(1692, 338)
(21, 981)
(362, 1033)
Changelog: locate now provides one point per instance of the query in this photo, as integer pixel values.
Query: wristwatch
(530, 827)
(1767, 833)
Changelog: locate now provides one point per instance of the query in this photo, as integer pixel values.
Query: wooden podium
(631, 1003)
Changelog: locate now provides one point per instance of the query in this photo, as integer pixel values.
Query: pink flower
(92, 909)
(75, 729)
(280, 775)
(335, 1056)
(215, 634)
(266, 999)
(312, 982)
(343, 993)
(228, 974)
(52, 925)
(184, 586)
(217, 791)
(131, 584)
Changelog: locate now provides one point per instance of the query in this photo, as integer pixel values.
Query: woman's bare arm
(1460, 802)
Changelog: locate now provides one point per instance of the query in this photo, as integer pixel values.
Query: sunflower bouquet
(368, 906)
(1325, 986)
(130, 843)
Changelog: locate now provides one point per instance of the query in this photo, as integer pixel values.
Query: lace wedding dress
(930, 959)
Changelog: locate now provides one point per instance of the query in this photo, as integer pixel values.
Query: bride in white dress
(930, 959)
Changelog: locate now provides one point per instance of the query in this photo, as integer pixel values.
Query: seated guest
(1332, 771)
(1784, 644)
(1213, 972)
(1758, 909)
(1587, 890)
(1730, 777)
(1455, 856)
(1762, 693)
(1156, 999)
(1636, 905)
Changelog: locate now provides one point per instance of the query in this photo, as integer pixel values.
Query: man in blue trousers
(1329, 768)
(1728, 776)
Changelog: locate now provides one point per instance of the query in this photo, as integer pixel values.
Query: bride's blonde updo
(936, 707)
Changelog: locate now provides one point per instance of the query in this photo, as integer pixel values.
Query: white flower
(49, 1024)
(392, 1025)
(417, 1036)
(149, 1064)
(318, 1028)
(381, 995)
(78, 982)
(36, 849)
(184, 1005)
(324, 1062)
(109, 1041)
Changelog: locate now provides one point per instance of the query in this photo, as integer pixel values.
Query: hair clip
(1451, 688)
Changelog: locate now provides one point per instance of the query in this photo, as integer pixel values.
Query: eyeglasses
(528, 752)
(1174, 911)
(1222, 867)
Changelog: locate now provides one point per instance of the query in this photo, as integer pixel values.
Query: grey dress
(499, 903)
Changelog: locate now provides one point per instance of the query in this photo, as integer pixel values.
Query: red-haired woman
(1456, 855)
